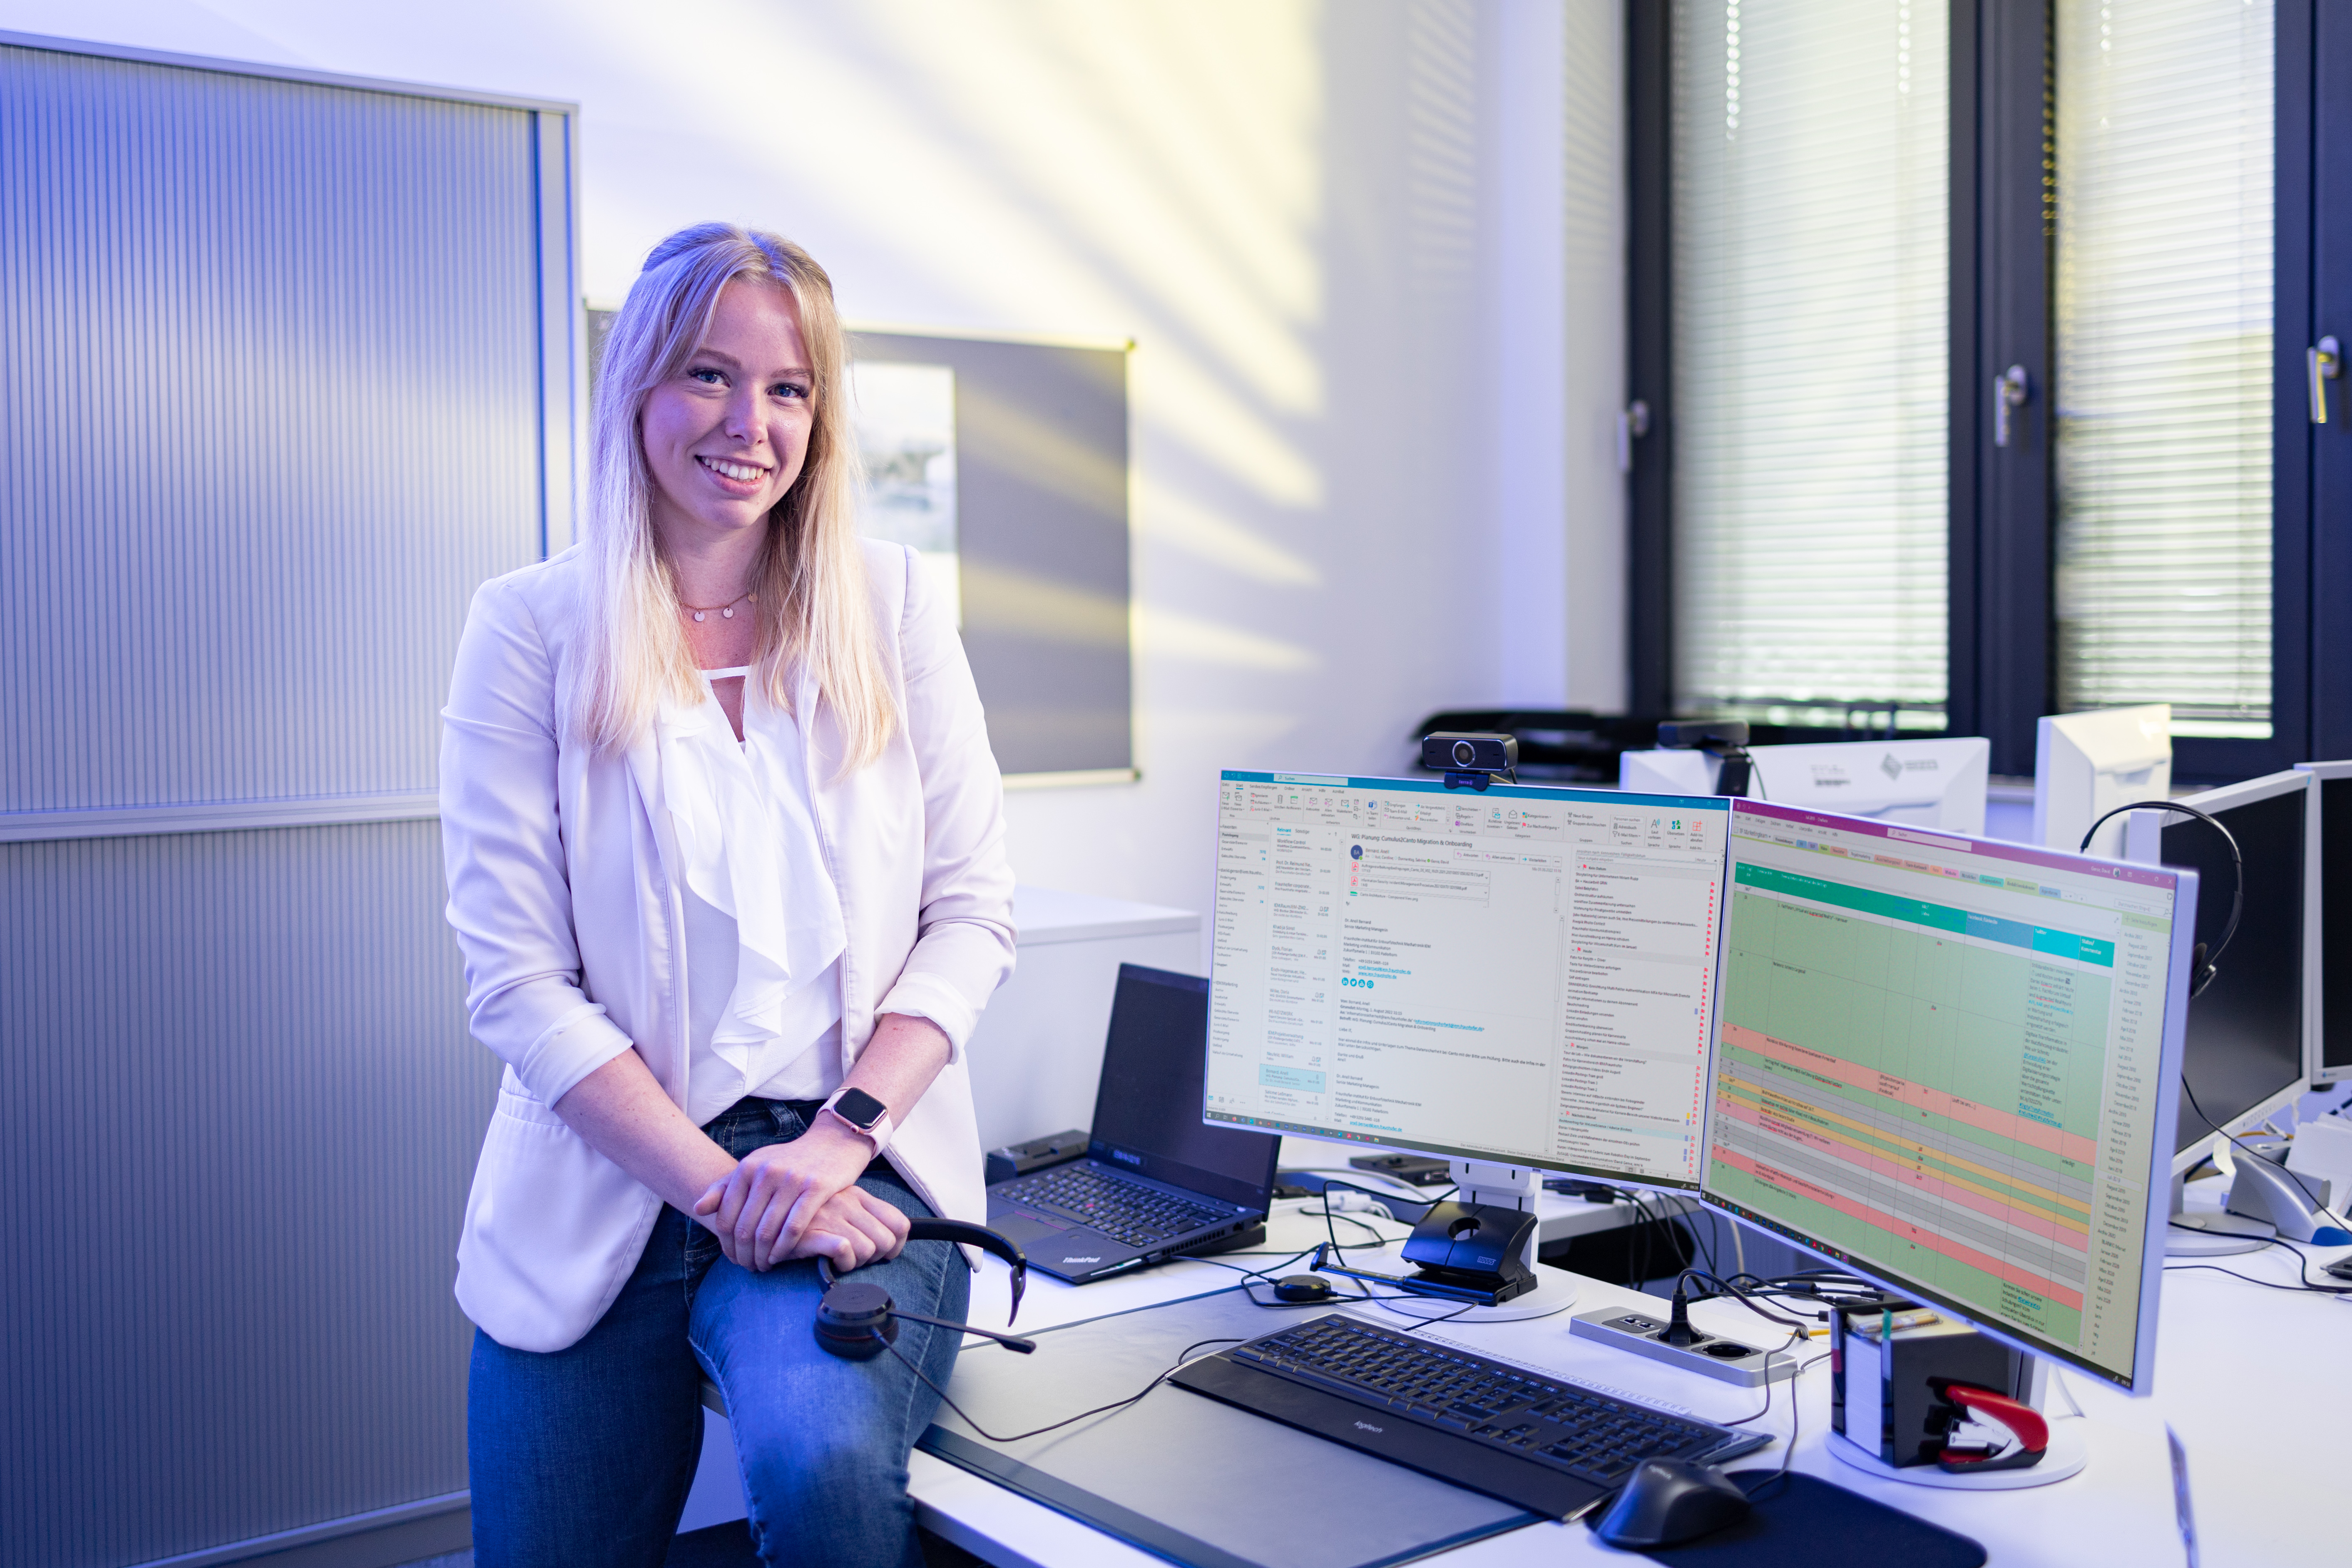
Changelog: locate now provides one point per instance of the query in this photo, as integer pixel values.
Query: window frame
(2002, 502)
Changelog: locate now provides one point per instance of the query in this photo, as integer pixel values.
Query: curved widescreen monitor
(1518, 975)
(1952, 1064)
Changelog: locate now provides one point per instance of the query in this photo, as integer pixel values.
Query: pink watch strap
(878, 1135)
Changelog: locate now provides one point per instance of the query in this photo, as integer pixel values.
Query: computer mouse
(1303, 1287)
(1669, 1501)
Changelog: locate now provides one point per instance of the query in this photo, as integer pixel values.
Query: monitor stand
(2211, 1232)
(2068, 1452)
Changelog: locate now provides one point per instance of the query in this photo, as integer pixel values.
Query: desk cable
(2303, 1271)
(1362, 1293)
(1662, 1220)
(1249, 1276)
(1181, 1357)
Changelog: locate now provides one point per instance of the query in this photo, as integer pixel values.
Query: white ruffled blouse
(764, 925)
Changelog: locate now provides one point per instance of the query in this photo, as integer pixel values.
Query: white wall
(1370, 251)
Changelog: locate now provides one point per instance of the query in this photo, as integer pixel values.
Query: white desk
(2245, 1376)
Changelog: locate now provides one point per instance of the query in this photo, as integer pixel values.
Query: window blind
(1811, 286)
(2163, 321)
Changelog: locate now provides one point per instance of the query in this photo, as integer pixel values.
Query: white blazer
(563, 889)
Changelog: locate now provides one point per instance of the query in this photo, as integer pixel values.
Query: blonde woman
(725, 856)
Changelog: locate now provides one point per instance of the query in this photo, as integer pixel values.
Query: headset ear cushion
(855, 1320)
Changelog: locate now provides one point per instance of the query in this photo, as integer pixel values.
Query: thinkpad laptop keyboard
(1124, 1211)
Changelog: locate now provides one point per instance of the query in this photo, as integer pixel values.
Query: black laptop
(1156, 1182)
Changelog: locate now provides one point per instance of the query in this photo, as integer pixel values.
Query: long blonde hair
(813, 609)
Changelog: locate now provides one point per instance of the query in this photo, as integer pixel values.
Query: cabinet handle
(2010, 391)
(2323, 362)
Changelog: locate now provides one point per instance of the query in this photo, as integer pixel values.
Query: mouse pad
(1182, 1476)
(1804, 1521)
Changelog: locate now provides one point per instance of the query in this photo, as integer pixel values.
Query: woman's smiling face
(726, 436)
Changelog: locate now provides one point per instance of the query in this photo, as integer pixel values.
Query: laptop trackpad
(1026, 1231)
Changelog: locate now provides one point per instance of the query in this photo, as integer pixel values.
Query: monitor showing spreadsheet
(1519, 975)
(1953, 1064)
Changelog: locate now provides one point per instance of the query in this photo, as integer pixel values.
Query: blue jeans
(582, 1458)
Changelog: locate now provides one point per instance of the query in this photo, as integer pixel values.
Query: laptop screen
(1148, 1109)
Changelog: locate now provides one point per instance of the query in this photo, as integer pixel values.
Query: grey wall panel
(271, 388)
(278, 363)
(238, 1114)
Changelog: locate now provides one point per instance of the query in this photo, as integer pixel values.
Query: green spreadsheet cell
(2003, 1029)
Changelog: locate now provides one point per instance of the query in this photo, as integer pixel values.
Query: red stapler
(1983, 1430)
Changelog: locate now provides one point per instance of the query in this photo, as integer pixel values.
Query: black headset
(857, 1320)
(2202, 969)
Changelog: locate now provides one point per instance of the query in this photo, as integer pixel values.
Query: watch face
(859, 1108)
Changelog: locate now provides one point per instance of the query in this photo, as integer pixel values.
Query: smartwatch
(863, 1113)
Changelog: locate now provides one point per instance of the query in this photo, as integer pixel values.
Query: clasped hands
(802, 1199)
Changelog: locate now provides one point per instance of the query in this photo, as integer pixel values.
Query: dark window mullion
(1964, 700)
(1649, 380)
(2010, 619)
(2315, 152)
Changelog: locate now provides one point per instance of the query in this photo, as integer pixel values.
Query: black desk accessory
(1413, 1170)
(1471, 1253)
(1797, 1521)
(1474, 1247)
(1576, 1187)
(1306, 1288)
(1020, 1159)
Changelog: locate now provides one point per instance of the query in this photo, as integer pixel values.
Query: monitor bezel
(2143, 841)
(2054, 730)
(2314, 919)
(1600, 795)
(1973, 752)
(2156, 1181)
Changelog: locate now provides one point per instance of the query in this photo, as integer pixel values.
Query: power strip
(1710, 1355)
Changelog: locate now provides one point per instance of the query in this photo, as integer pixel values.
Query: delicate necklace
(726, 610)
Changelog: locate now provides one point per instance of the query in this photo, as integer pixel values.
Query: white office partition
(290, 368)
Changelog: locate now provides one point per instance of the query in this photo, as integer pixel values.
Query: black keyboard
(1124, 1211)
(1540, 1442)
